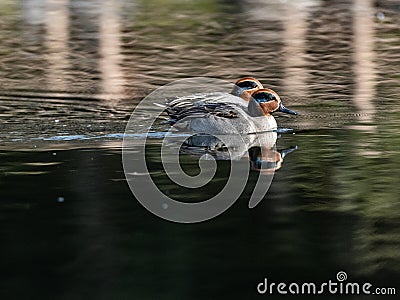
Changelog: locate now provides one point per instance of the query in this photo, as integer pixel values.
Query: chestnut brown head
(244, 87)
(269, 101)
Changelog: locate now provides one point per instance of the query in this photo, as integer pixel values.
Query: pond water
(71, 73)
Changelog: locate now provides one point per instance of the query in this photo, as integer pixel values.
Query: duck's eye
(247, 85)
(264, 97)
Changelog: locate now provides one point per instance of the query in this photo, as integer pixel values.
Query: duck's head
(265, 102)
(244, 87)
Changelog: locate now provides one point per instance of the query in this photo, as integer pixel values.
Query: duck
(228, 117)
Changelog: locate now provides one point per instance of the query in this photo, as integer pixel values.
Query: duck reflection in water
(259, 149)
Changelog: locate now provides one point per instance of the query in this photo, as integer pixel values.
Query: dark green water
(71, 73)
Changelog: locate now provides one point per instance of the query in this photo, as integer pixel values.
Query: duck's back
(200, 99)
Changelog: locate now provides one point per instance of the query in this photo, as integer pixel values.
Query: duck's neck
(255, 110)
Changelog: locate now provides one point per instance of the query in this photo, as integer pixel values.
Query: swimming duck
(219, 117)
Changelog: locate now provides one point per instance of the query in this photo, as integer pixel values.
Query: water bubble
(60, 199)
